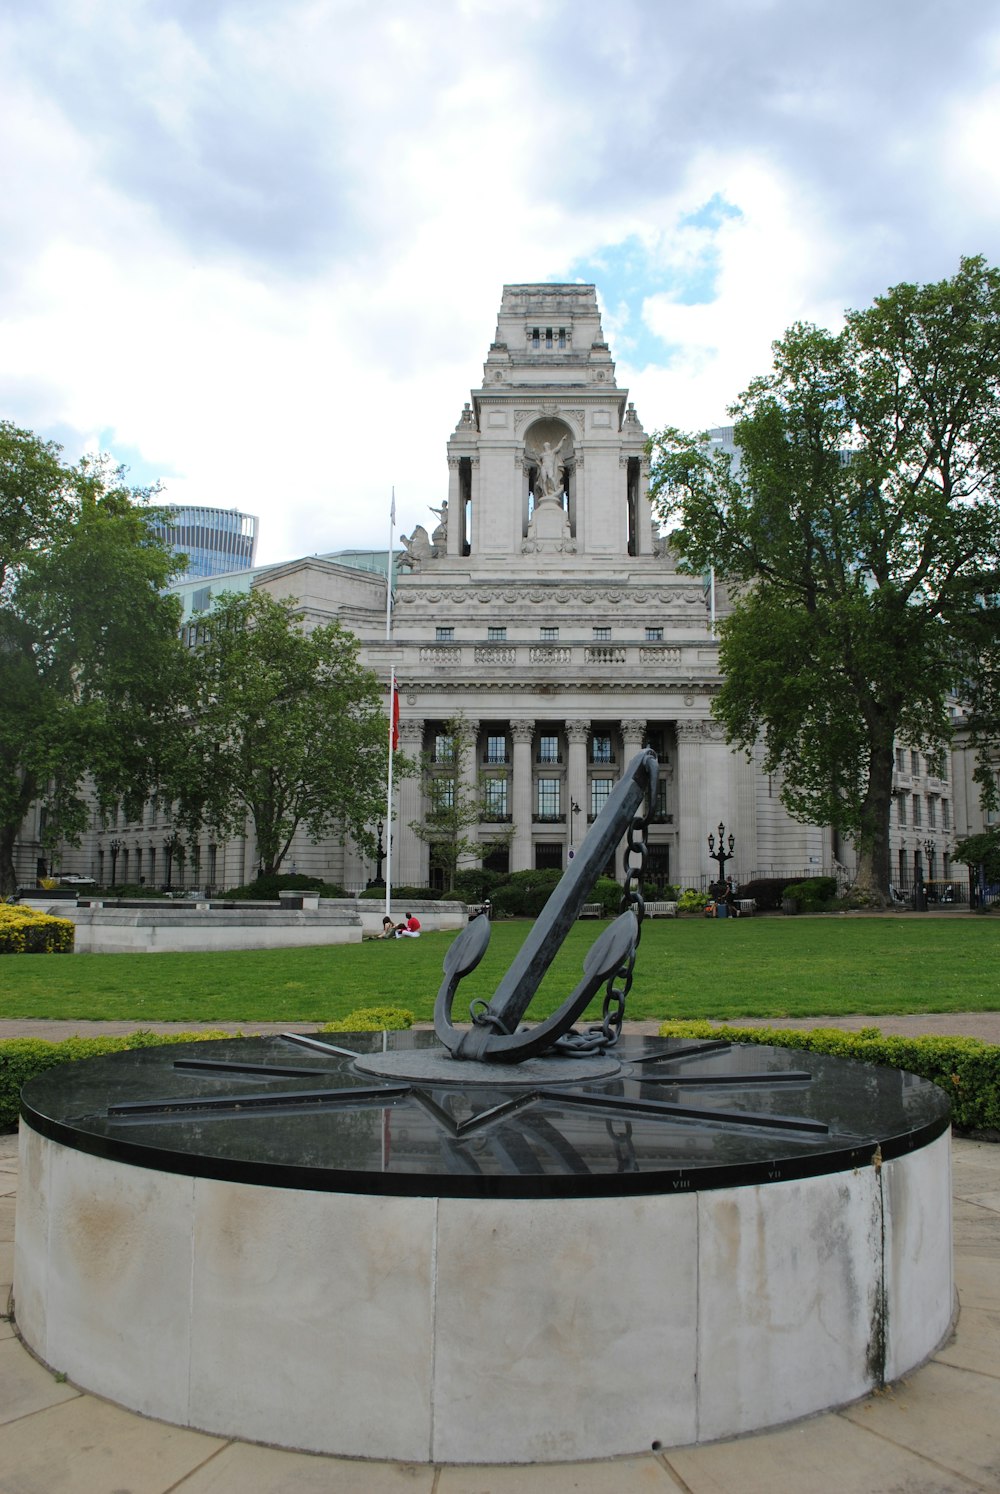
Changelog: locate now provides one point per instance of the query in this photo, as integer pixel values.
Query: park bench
(661, 910)
(592, 910)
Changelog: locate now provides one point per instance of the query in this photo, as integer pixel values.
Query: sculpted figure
(439, 539)
(418, 547)
(549, 469)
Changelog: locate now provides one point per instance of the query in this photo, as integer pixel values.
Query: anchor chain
(598, 1038)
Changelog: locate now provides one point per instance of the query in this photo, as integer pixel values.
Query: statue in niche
(548, 483)
(439, 539)
(417, 547)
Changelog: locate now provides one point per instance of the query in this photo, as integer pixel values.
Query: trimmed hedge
(266, 888)
(22, 1058)
(814, 895)
(25, 930)
(967, 1069)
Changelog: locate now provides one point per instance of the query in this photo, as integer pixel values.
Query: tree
(983, 852)
(286, 727)
(455, 807)
(860, 536)
(91, 665)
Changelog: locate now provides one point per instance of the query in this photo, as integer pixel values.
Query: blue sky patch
(627, 272)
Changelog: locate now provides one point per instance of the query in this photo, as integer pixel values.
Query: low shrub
(811, 896)
(767, 892)
(267, 888)
(692, 901)
(967, 1069)
(525, 893)
(410, 894)
(372, 1019)
(475, 884)
(22, 1058)
(25, 930)
(608, 893)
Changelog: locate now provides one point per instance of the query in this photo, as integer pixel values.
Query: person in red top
(409, 928)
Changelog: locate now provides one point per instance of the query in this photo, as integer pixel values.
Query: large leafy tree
(91, 666)
(286, 726)
(859, 533)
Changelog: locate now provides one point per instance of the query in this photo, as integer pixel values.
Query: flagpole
(393, 744)
(393, 708)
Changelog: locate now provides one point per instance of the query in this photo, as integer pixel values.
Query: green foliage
(475, 883)
(92, 671)
(525, 893)
(767, 892)
(267, 887)
(608, 893)
(372, 1019)
(24, 930)
(967, 1069)
(286, 726)
(813, 895)
(403, 894)
(692, 901)
(981, 850)
(860, 539)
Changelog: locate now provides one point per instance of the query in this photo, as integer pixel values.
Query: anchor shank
(514, 993)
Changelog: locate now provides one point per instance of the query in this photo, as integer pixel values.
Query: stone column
(633, 732)
(691, 816)
(455, 516)
(469, 785)
(576, 777)
(409, 855)
(521, 808)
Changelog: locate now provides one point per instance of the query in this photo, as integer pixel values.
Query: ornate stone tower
(548, 459)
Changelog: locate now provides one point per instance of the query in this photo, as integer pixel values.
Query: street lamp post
(721, 855)
(574, 810)
(379, 857)
(114, 846)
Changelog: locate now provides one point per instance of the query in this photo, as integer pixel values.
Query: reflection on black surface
(246, 1108)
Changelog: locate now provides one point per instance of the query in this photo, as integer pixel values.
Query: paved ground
(938, 1432)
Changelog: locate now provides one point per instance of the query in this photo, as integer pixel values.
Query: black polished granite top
(296, 1111)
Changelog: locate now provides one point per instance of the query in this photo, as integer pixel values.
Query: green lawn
(763, 967)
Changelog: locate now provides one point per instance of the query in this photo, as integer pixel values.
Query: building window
(931, 812)
(152, 865)
(548, 857)
(442, 795)
(654, 635)
(496, 750)
(548, 635)
(602, 635)
(946, 814)
(901, 809)
(900, 760)
(600, 749)
(660, 812)
(496, 635)
(548, 749)
(211, 865)
(600, 792)
(495, 798)
(444, 635)
(915, 762)
(917, 813)
(444, 748)
(548, 798)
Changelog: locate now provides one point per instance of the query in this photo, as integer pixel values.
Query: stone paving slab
(88, 1446)
(820, 1456)
(27, 1387)
(975, 1229)
(978, 1282)
(976, 1347)
(619, 1476)
(244, 1469)
(950, 1417)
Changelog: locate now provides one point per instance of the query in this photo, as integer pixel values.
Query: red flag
(394, 718)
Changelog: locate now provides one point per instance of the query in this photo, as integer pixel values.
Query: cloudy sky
(255, 248)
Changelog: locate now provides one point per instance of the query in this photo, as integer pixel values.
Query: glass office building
(215, 540)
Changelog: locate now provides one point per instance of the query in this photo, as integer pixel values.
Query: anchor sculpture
(496, 1035)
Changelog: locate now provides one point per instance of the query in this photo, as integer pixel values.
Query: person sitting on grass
(409, 928)
(388, 928)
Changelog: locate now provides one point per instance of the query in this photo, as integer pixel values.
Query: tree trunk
(8, 876)
(871, 884)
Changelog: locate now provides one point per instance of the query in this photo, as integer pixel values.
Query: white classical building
(539, 604)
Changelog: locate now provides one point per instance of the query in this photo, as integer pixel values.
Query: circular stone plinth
(707, 1241)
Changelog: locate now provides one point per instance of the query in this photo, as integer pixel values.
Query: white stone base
(479, 1331)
